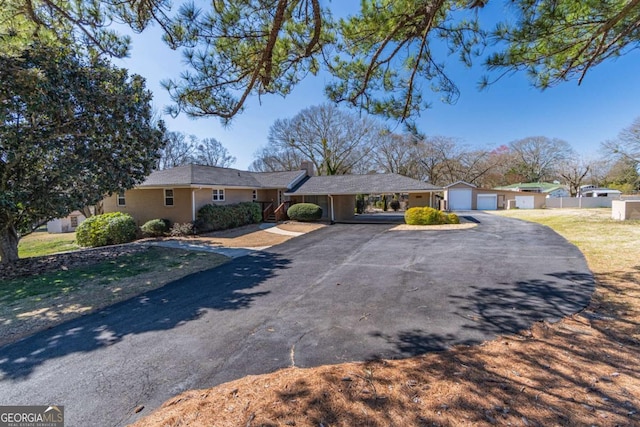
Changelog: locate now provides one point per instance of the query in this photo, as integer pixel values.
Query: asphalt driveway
(342, 293)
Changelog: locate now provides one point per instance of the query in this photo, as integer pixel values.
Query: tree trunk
(8, 245)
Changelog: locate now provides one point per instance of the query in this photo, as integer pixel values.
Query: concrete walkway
(273, 228)
(222, 250)
(229, 252)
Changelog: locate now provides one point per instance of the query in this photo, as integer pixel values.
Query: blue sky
(607, 101)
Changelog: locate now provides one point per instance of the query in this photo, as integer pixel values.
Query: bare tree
(333, 140)
(627, 145)
(274, 159)
(182, 149)
(211, 152)
(444, 160)
(598, 171)
(178, 151)
(538, 157)
(574, 171)
(398, 154)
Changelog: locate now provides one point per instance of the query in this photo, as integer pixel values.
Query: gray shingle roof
(361, 184)
(278, 179)
(189, 175)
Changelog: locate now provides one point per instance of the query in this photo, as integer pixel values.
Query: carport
(336, 194)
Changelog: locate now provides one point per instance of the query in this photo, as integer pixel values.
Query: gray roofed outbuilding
(361, 184)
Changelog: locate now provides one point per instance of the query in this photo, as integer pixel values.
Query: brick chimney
(307, 165)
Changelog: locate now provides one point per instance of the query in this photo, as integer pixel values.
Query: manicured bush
(453, 219)
(222, 217)
(395, 205)
(305, 212)
(429, 216)
(107, 229)
(155, 228)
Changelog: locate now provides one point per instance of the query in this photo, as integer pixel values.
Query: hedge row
(429, 216)
(221, 217)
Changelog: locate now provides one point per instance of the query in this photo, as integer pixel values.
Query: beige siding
(146, 204)
(539, 199)
(268, 196)
(420, 200)
(343, 208)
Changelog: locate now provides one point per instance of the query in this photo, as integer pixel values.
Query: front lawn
(60, 288)
(42, 242)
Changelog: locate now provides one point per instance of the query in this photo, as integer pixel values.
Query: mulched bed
(44, 264)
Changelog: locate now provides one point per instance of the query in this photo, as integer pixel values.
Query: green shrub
(453, 219)
(221, 217)
(107, 229)
(305, 212)
(395, 205)
(429, 216)
(155, 228)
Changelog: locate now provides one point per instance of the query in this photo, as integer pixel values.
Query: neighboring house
(548, 189)
(177, 194)
(67, 224)
(593, 191)
(465, 196)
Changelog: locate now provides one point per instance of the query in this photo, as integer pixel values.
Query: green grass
(41, 243)
(67, 281)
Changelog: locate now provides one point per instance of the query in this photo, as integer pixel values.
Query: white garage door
(459, 199)
(487, 202)
(524, 202)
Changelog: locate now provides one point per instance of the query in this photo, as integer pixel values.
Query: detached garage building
(463, 196)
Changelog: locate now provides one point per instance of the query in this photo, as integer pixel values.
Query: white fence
(580, 202)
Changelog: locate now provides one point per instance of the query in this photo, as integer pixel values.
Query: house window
(217, 195)
(168, 197)
(74, 221)
(254, 195)
(121, 200)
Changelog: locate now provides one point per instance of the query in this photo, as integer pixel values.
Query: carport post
(333, 218)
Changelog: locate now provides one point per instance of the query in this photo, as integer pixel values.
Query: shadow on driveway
(502, 309)
(222, 288)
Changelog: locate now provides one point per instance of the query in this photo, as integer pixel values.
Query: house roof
(195, 175)
(468, 184)
(543, 187)
(361, 184)
(286, 179)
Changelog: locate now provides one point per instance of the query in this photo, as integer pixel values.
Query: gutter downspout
(193, 203)
(333, 217)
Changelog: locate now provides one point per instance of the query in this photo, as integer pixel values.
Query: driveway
(342, 293)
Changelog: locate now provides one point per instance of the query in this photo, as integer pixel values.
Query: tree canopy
(60, 150)
(381, 59)
(538, 158)
(335, 141)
